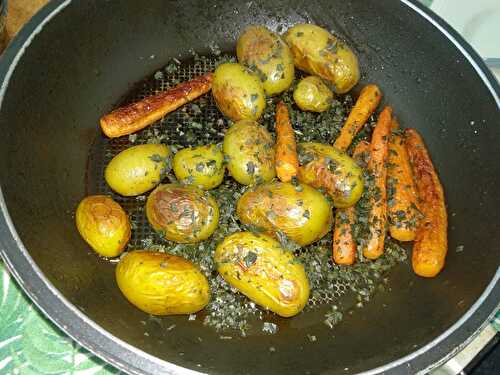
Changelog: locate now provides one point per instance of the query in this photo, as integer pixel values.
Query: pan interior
(340, 289)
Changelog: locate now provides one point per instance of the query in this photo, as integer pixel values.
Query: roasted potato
(311, 94)
(201, 166)
(249, 149)
(318, 52)
(162, 284)
(300, 212)
(103, 224)
(138, 169)
(264, 52)
(238, 92)
(183, 214)
(260, 269)
(324, 166)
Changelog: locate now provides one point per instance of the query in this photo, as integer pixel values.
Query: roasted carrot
(377, 216)
(136, 116)
(344, 244)
(402, 197)
(431, 242)
(367, 103)
(287, 162)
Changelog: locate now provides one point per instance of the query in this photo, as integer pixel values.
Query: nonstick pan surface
(75, 60)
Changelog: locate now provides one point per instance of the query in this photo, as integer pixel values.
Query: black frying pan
(75, 60)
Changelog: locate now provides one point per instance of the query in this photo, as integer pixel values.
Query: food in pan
(249, 150)
(162, 284)
(318, 52)
(201, 166)
(182, 214)
(138, 169)
(258, 267)
(318, 189)
(238, 92)
(136, 116)
(311, 94)
(263, 52)
(103, 224)
(300, 212)
(325, 167)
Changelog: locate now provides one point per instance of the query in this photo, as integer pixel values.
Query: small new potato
(259, 268)
(201, 166)
(249, 149)
(183, 214)
(318, 52)
(311, 94)
(265, 52)
(326, 167)
(162, 284)
(300, 212)
(238, 92)
(138, 169)
(103, 224)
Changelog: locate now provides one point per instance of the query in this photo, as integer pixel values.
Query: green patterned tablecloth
(31, 344)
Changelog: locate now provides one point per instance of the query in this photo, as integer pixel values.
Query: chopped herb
(250, 259)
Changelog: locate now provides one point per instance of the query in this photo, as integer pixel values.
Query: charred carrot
(402, 203)
(377, 216)
(287, 162)
(136, 116)
(367, 103)
(431, 242)
(344, 243)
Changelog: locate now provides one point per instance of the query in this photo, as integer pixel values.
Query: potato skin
(250, 150)
(201, 166)
(162, 284)
(137, 169)
(260, 269)
(304, 216)
(311, 94)
(318, 52)
(238, 92)
(265, 52)
(326, 167)
(183, 214)
(103, 224)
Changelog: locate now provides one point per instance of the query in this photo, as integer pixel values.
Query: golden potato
(249, 149)
(311, 94)
(162, 284)
(138, 169)
(201, 166)
(238, 92)
(265, 53)
(326, 167)
(183, 214)
(318, 52)
(259, 268)
(300, 212)
(103, 224)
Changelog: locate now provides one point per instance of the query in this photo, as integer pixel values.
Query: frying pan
(76, 59)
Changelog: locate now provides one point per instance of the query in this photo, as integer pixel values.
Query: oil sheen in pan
(206, 125)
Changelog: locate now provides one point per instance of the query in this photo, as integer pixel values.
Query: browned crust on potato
(136, 116)
(431, 243)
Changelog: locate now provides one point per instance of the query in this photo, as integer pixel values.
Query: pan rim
(131, 359)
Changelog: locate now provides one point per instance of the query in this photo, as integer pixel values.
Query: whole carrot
(287, 162)
(136, 116)
(368, 101)
(431, 242)
(402, 204)
(377, 216)
(344, 243)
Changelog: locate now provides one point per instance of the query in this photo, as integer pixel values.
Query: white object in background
(478, 22)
